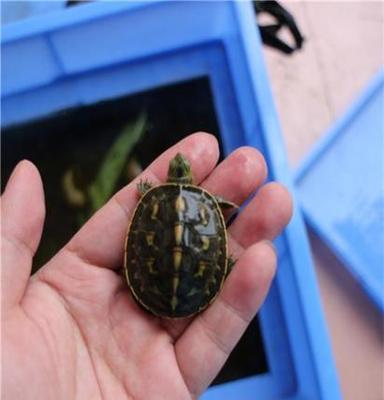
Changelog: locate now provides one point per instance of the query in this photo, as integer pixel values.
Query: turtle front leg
(225, 204)
(143, 187)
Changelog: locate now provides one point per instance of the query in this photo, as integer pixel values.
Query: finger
(239, 175)
(23, 213)
(207, 342)
(264, 217)
(101, 239)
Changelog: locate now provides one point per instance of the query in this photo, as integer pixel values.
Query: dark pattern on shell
(176, 250)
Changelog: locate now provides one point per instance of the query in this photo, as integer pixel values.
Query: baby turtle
(176, 251)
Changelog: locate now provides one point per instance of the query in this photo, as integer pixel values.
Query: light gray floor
(342, 52)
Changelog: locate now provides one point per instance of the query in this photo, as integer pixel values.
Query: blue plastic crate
(341, 189)
(49, 66)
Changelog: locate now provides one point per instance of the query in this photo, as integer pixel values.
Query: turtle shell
(176, 250)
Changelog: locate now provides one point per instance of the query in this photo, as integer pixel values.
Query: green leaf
(113, 162)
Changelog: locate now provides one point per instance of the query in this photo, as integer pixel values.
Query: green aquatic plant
(93, 196)
(113, 163)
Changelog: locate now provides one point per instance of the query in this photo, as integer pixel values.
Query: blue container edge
(318, 150)
(317, 326)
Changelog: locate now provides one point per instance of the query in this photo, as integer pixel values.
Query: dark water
(77, 139)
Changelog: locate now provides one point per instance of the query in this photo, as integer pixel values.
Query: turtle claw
(143, 186)
(230, 264)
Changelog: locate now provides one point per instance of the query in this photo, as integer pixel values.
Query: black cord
(269, 33)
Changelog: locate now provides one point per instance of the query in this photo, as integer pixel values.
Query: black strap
(269, 33)
(75, 2)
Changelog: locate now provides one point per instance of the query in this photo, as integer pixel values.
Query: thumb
(23, 212)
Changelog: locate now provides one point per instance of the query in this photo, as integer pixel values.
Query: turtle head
(179, 170)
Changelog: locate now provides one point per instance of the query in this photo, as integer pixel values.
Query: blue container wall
(49, 65)
(351, 217)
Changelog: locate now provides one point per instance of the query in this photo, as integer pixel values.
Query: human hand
(73, 330)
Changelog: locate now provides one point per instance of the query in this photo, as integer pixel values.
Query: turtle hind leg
(230, 264)
(225, 204)
(143, 186)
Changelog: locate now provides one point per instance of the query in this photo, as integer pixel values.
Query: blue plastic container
(341, 189)
(100, 51)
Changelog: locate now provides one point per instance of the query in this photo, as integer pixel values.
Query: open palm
(73, 331)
